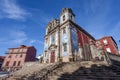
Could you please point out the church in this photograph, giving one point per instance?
(66, 41)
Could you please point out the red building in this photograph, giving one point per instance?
(109, 44)
(1, 61)
(16, 57)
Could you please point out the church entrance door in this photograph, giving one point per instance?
(52, 57)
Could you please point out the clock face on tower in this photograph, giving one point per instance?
(64, 38)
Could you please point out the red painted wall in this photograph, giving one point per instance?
(111, 44)
(80, 37)
(83, 40)
(31, 54)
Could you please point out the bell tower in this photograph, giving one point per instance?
(67, 14)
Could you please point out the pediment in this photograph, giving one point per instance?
(52, 47)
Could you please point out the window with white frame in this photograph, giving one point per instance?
(108, 49)
(105, 42)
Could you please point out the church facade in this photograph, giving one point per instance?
(67, 41)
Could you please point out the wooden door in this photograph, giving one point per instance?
(52, 57)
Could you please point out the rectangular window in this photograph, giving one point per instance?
(19, 63)
(71, 17)
(53, 38)
(16, 56)
(20, 55)
(63, 17)
(7, 63)
(64, 30)
(10, 56)
(108, 50)
(105, 42)
(14, 63)
(65, 47)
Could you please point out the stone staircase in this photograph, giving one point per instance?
(86, 70)
(34, 71)
(31, 67)
(95, 72)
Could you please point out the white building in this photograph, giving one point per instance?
(65, 40)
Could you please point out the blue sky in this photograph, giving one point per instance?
(24, 21)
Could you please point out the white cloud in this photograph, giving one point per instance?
(10, 9)
(36, 41)
(32, 41)
(17, 34)
(14, 37)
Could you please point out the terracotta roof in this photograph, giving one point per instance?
(22, 46)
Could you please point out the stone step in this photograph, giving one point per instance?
(57, 73)
(86, 75)
(90, 75)
(74, 79)
(95, 75)
(89, 78)
(79, 72)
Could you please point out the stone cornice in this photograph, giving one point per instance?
(52, 31)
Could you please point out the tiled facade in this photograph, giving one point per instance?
(16, 57)
(109, 44)
(66, 41)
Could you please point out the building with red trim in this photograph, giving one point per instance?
(109, 44)
(66, 41)
(16, 57)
